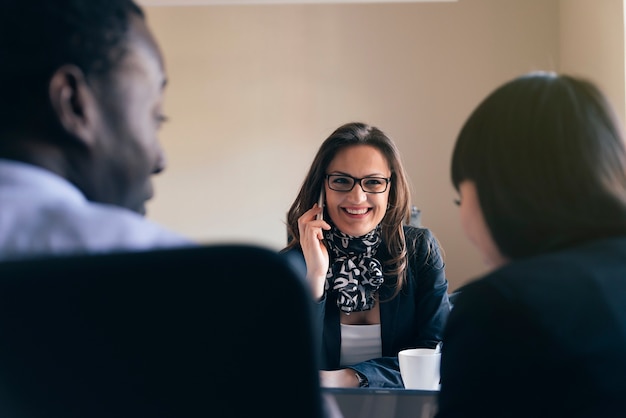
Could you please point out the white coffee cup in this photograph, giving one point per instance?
(419, 368)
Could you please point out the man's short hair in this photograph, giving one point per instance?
(39, 36)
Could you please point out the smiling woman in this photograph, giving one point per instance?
(359, 256)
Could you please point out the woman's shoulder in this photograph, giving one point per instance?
(421, 243)
(291, 248)
(419, 237)
(295, 257)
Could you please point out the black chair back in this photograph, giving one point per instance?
(215, 331)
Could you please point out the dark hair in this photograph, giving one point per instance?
(547, 157)
(39, 36)
(351, 134)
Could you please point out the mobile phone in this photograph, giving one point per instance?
(320, 203)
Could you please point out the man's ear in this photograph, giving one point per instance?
(73, 103)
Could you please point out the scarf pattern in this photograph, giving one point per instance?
(354, 275)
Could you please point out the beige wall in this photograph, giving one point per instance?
(592, 45)
(255, 89)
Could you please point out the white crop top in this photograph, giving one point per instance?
(359, 343)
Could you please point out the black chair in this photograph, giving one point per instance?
(215, 331)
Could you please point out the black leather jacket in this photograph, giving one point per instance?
(414, 318)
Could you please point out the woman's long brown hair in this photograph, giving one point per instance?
(398, 211)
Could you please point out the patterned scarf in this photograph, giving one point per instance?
(354, 272)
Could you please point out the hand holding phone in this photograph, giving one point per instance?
(320, 203)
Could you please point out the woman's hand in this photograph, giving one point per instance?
(315, 253)
(343, 378)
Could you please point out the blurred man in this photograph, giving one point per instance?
(80, 108)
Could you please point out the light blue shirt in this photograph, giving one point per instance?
(43, 214)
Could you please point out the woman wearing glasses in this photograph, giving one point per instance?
(379, 284)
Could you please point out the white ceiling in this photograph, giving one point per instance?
(225, 2)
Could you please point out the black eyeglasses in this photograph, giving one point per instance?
(345, 183)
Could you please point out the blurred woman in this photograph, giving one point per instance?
(540, 167)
